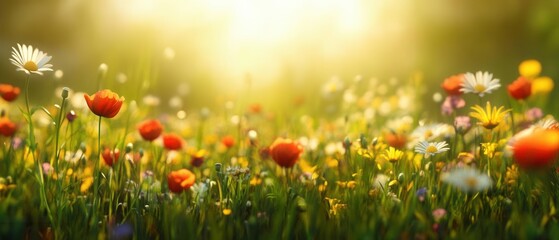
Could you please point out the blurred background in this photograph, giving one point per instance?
(205, 52)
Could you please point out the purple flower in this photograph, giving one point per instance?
(533, 114)
(421, 193)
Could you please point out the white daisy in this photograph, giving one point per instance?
(30, 60)
(431, 148)
(480, 84)
(467, 179)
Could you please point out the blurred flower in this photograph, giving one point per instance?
(380, 181)
(30, 60)
(462, 124)
(334, 206)
(537, 149)
(489, 149)
(489, 118)
(47, 168)
(180, 180)
(437, 97)
(438, 214)
(467, 179)
(511, 176)
(7, 127)
(452, 103)
(430, 132)
(395, 140)
(150, 129)
(334, 85)
(175, 102)
(431, 148)
(200, 190)
(421, 193)
(9, 92)
(228, 141)
(172, 141)
(530, 68)
(197, 157)
(77, 100)
(520, 89)
(104, 103)
(58, 74)
(285, 152)
(393, 154)
(255, 108)
(110, 157)
(122, 231)
(74, 157)
(453, 84)
(479, 84)
(533, 114)
(71, 116)
(121, 78)
(103, 69)
(334, 148)
(542, 85)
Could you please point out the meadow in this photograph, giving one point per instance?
(369, 164)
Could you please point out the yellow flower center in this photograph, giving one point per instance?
(30, 66)
(431, 149)
(471, 182)
(428, 134)
(480, 88)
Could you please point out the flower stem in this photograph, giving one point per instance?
(97, 174)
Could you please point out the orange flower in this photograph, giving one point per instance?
(9, 92)
(255, 108)
(520, 89)
(110, 157)
(150, 129)
(172, 141)
(180, 180)
(285, 152)
(104, 103)
(7, 127)
(197, 157)
(452, 84)
(539, 149)
(228, 141)
(395, 140)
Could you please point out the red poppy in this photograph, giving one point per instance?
(150, 129)
(539, 149)
(180, 180)
(104, 103)
(172, 141)
(110, 157)
(285, 152)
(7, 127)
(9, 92)
(520, 89)
(453, 84)
(395, 140)
(228, 141)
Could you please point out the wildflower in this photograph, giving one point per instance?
(150, 129)
(104, 103)
(431, 148)
(393, 154)
(180, 180)
(538, 149)
(421, 193)
(467, 179)
(542, 85)
(71, 116)
(172, 141)
(7, 127)
(47, 169)
(520, 89)
(227, 211)
(110, 156)
(197, 157)
(489, 149)
(438, 214)
(530, 68)
(9, 92)
(511, 176)
(151, 101)
(228, 141)
(334, 206)
(533, 114)
(480, 83)
(285, 152)
(452, 85)
(452, 103)
(380, 181)
(30, 60)
(430, 132)
(255, 108)
(462, 124)
(490, 118)
(74, 157)
(395, 140)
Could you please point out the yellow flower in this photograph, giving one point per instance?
(511, 176)
(226, 211)
(393, 154)
(490, 117)
(489, 149)
(530, 68)
(542, 85)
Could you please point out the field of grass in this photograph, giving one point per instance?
(371, 165)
